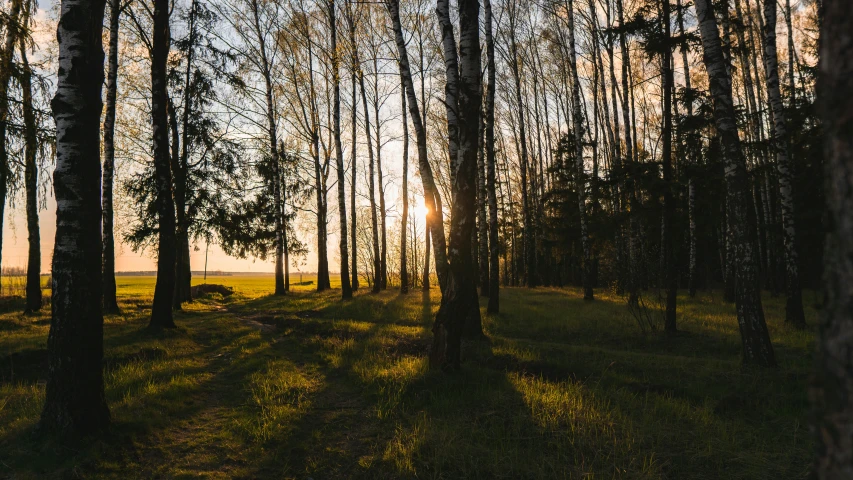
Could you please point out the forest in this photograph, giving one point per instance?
(568, 238)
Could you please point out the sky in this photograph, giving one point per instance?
(15, 245)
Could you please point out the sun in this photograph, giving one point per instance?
(421, 211)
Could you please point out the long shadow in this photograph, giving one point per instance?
(355, 423)
(562, 317)
(561, 412)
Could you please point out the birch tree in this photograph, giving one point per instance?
(794, 299)
(108, 238)
(460, 310)
(494, 251)
(578, 131)
(74, 395)
(346, 286)
(755, 339)
(432, 199)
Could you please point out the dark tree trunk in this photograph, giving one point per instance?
(320, 173)
(179, 193)
(371, 183)
(109, 266)
(6, 69)
(692, 160)
(527, 244)
(432, 200)
(633, 264)
(670, 277)
(266, 71)
(354, 157)
(346, 286)
(757, 348)
(577, 127)
(491, 177)
(404, 273)
(425, 282)
(382, 277)
(459, 307)
(183, 280)
(74, 396)
(33, 303)
(832, 386)
(164, 290)
(284, 242)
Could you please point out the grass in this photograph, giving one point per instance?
(256, 386)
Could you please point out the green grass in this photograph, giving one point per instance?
(256, 386)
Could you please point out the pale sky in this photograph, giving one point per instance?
(14, 248)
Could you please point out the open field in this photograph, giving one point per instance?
(255, 386)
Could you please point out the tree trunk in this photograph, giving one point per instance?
(404, 273)
(164, 290)
(670, 276)
(491, 177)
(346, 286)
(432, 199)
(179, 193)
(425, 280)
(183, 283)
(6, 69)
(794, 298)
(74, 397)
(354, 157)
(382, 277)
(757, 348)
(109, 266)
(529, 252)
(481, 236)
(451, 85)
(791, 53)
(577, 127)
(459, 298)
(33, 289)
(273, 149)
(832, 386)
(320, 175)
(374, 221)
(284, 242)
(632, 280)
(693, 160)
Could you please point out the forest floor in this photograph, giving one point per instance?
(307, 386)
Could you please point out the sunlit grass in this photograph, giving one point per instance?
(257, 386)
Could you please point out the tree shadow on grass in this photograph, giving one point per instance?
(358, 402)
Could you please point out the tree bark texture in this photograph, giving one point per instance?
(832, 386)
(459, 308)
(577, 127)
(794, 314)
(109, 265)
(755, 339)
(33, 289)
(6, 70)
(491, 177)
(432, 199)
(74, 396)
(164, 290)
(346, 286)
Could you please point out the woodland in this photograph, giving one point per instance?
(506, 238)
